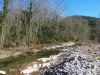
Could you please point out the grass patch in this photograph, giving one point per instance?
(7, 63)
(98, 58)
(89, 59)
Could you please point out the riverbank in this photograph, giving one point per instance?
(69, 54)
(77, 60)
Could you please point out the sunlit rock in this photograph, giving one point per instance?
(29, 70)
(70, 44)
(45, 59)
(2, 72)
(35, 66)
(46, 64)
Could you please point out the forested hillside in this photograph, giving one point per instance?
(38, 22)
(85, 27)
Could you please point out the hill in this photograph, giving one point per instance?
(91, 22)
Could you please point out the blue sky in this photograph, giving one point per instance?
(79, 7)
(82, 7)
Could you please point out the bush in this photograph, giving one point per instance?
(45, 33)
(89, 59)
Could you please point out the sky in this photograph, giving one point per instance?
(83, 7)
(1, 5)
(79, 7)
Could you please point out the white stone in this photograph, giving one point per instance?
(29, 70)
(45, 59)
(63, 45)
(65, 49)
(48, 48)
(55, 57)
(39, 59)
(35, 66)
(70, 44)
(58, 46)
(40, 65)
(54, 47)
(29, 67)
(46, 64)
(2, 72)
(26, 74)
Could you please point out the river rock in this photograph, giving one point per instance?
(2, 72)
(72, 65)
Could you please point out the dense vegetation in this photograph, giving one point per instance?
(40, 22)
(90, 26)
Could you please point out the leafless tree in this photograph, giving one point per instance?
(76, 28)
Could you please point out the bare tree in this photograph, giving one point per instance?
(26, 17)
(76, 28)
(4, 25)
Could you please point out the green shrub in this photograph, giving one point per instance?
(98, 58)
(89, 59)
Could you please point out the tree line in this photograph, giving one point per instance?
(27, 22)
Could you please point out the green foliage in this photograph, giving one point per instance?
(89, 59)
(92, 21)
(93, 33)
(98, 58)
(5, 9)
(76, 39)
(45, 33)
(1, 16)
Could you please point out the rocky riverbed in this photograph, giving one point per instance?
(77, 60)
(73, 64)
